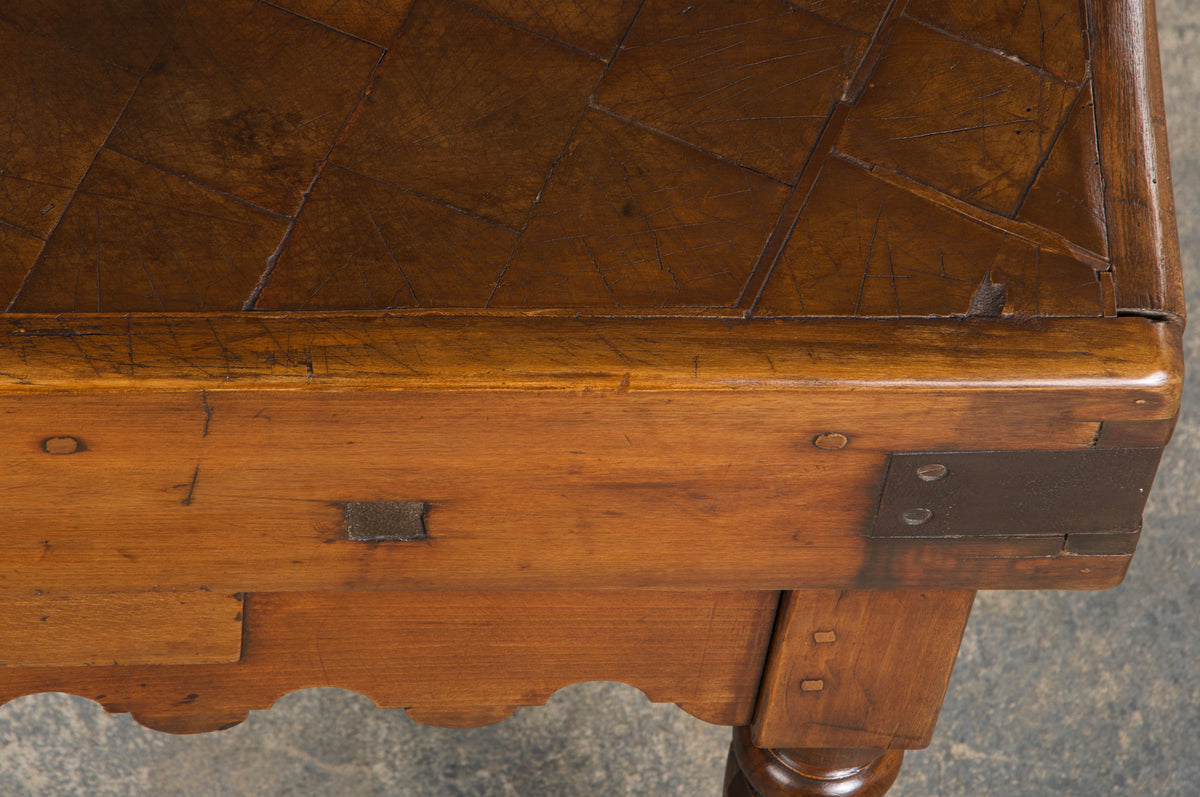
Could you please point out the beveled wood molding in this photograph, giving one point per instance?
(445, 351)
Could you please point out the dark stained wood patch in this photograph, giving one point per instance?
(633, 219)
(248, 108)
(363, 244)
(1045, 33)
(57, 106)
(964, 121)
(469, 111)
(1068, 194)
(753, 81)
(860, 15)
(128, 33)
(592, 25)
(136, 239)
(376, 21)
(863, 247)
(18, 252)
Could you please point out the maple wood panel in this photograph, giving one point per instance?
(703, 651)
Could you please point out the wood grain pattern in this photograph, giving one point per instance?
(58, 106)
(634, 220)
(703, 651)
(257, 477)
(882, 678)
(1105, 364)
(752, 81)
(360, 243)
(247, 109)
(595, 26)
(1043, 33)
(1138, 199)
(124, 33)
(862, 247)
(1067, 195)
(18, 251)
(863, 16)
(376, 21)
(136, 238)
(120, 629)
(652, 202)
(469, 112)
(975, 125)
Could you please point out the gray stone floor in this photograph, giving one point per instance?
(1055, 694)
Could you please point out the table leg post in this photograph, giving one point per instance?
(815, 772)
(853, 678)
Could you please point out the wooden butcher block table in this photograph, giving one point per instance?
(454, 352)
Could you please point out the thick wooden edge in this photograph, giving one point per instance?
(252, 351)
(1138, 199)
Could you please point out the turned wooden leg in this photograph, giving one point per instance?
(758, 772)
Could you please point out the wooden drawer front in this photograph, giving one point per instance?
(244, 491)
(120, 629)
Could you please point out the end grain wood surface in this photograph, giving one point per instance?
(870, 159)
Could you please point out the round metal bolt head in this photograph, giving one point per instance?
(917, 517)
(932, 472)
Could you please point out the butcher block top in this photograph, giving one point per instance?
(603, 293)
(854, 159)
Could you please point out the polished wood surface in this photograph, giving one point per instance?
(561, 480)
(618, 296)
(863, 159)
(818, 772)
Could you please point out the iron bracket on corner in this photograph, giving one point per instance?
(1015, 493)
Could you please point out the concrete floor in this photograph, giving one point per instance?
(1055, 694)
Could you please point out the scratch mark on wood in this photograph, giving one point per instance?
(187, 501)
(207, 411)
